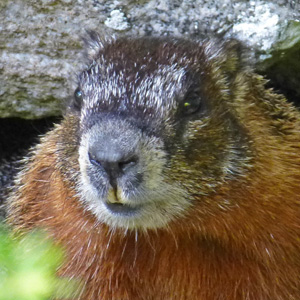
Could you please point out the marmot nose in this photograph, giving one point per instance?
(115, 164)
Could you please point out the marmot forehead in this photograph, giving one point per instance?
(149, 51)
(147, 75)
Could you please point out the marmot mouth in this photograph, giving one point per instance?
(122, 209)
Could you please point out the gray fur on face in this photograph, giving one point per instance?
(104, 89)
(153, 202)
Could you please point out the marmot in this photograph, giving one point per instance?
(175, 175)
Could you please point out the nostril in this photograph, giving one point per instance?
(94, 160)
(128, 163)
(120, 165)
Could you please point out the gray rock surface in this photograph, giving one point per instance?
(41, 39)
(282, 62)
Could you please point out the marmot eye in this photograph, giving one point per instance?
(192, 104)
(78, 98)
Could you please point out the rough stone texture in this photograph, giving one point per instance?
(282, 64)
(41, 39)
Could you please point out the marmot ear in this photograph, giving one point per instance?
(232, 51)
(95, 42)
(227, 55)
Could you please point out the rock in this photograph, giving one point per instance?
(281, 62)
(41, 39)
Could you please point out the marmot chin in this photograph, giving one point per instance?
(175, 175)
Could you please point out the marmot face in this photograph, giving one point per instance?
(153, 116)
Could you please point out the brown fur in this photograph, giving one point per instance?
(247, 249)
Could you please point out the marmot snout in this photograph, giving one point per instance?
(174, 175)
(121, 178)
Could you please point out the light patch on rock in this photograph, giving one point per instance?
(117, 20)
(259, 27)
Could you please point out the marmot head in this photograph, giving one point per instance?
(156, 130)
